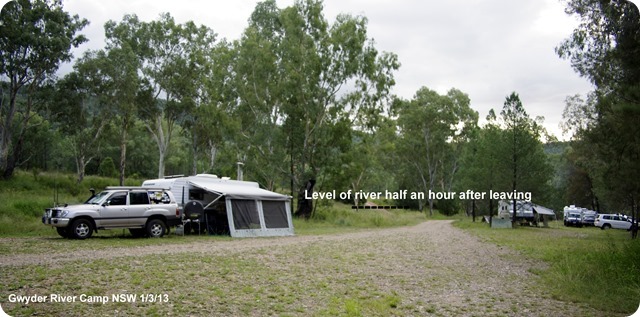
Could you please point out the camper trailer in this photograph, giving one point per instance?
(223, 206)
(527, 213)
(578, 216)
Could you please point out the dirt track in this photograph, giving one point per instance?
(435, 268)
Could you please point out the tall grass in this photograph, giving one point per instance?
(586, 265)
(332, 217)
(607, 276)
(24, 197)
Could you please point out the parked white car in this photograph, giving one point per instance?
(145, 211)
(608, 221)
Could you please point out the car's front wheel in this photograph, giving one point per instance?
(156, 228)
(81, 229)
(606, 226)
(62, 232)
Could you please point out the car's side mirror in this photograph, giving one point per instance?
(106, 203)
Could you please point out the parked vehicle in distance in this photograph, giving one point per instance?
(588, 220)
(608, 221)
(144, 211)
(578, 216)
(573, 219)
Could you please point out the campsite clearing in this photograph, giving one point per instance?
(431, 269)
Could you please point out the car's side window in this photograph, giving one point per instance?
(138, 198)
(159, 197)
(118, 199)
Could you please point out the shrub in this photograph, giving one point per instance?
(341, 215)
(447, 207)
(107, 168)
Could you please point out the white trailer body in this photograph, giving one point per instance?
(249, 210)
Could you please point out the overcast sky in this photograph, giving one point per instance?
(485, 48)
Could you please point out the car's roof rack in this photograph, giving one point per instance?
(173, 176)
(136, 188)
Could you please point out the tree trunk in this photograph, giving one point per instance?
(80, 164)
(4, 150)
(10, 166)
(123, 152)
(513, 219)
(9, 159)
(490, 212)
(6, 134)
(213, 152)
(515, 175)
(194, 151)
(634, 219)
(161, 165)
(12, 158)
(162, 141)
(305, 206)
(473, 210)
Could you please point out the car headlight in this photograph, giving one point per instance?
(63, 213)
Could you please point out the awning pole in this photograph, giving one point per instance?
(211, 203)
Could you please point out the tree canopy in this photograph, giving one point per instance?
(305, 101)
(604, 49)
(36, 37)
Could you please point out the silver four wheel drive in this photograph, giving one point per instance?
(608, 221)
(144, 211)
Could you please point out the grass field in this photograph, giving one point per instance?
(24, 197)
(586, 265)
(277, 282)
(331, 274)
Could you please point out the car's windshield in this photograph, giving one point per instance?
(97, 198)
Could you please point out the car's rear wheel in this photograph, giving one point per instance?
(138, 233)
(81, 229)
(156, 228)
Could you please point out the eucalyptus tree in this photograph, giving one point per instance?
(171, 58)
(203, 86)
(604, 49)
(35, 37)
(76, 109)
(461, 133)
(259, 82)
(584, 186)
(433, 128)
(208, 122)
(111, 78)
(301, 77)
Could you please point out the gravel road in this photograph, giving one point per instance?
(436, 269)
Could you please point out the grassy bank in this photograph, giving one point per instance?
(334, 217)
(586, 265)
(24, 197)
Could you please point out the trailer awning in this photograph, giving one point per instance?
(238, 190)
(543, 210)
